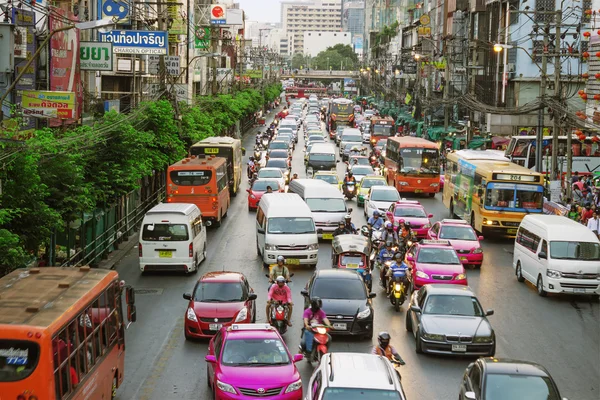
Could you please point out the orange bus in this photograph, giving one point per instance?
(201, 180)
(62, 333)
(413, 165)
(381, 128)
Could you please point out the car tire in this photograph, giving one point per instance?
(418, 346)
(492, 352)
(257, 250)
(369, 336)
(519, 272)
(218, 223)
(249, 208)
(208, 378)
(408, 322)
(431, 194)
(254, 316)
(188, 337)
(540, 286)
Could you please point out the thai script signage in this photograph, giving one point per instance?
(218, 14)
(43, 104)
(136, 42)
(172, 66)
(96, 56)
(24, 21)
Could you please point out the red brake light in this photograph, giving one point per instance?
(33, 397)
(191, 250)
(140, 249)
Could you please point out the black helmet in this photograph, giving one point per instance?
(407, 224)
(384, 339)
(315, 304)
(389, 243)
(349, 173)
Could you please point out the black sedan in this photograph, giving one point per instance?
(448, 319)
(345, 301)
(502, 379)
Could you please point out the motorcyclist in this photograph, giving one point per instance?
(389, 233)
(295, 176)
(280, 292)
(396, 265)
(280, 269)
(386, 254)
(312, 315)
(251, 166)
(406, 234)
(386, 349)
(349, 225)
(341, 229)
(375, 221)
(348, 178)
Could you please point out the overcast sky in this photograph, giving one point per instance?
(261, 10)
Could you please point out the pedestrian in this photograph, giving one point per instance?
(573, 214)
(575, 177)
(587, 214)
(593, 223)
(588, 196)
(577, 194)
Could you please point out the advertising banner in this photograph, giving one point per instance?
(172, 65)
(96, 56)
(25, 40)
(43, 104)
(136, 42)
(111, 8)
(64, 64)
(179, 26)
(218, 14)
(202, 39)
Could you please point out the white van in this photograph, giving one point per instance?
(285, 227)
(557, 255)
(326, 203)
(172, 238)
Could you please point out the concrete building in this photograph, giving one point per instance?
(254, 30)
(298, 17)
(316, 42)
(353, 21)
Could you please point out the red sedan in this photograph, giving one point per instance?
(258, 189)
(219, 299)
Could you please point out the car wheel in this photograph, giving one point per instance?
(418, 345)
(492, 352)
(369, 336)
(218, 223)
(249, 208)
(208, 378)
(257, 249)
(187, 336)
(431, 194)
(540, 286)
(254, 315)
(408, 323)
(519, 272)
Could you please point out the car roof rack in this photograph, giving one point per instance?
(406, 201)
(454, 221)
(250, 327)
(435, 242)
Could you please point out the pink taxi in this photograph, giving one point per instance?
(410, 211)
(434, 261)
(246, 361)
(462, 238)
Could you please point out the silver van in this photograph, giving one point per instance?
(321, 157)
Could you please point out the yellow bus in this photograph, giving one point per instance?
(491, 193)
(228, 148)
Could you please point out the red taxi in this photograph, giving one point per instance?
(410, 211)
(462, 237)
(434, 261)
(259, 187)
(219, 299)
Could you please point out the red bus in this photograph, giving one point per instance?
(413, 165)
(298, 92)
(201, 180)
(381, 128)
(62, 333)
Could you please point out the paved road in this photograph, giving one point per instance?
(561, 333)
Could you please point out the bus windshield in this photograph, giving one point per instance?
(417, 161)
(343, 109)
(383, 130)
(191, 178)
(503, 196)
(18, 359)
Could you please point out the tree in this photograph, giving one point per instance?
(12, 253)
(300, 60)
(335, 58)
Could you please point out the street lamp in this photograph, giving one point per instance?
(417, 56)
(81, 25)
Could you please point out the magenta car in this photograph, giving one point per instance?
(410, 211)
(246, 361)
(434, 261)
(462, 238)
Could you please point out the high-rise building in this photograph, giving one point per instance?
(298, 17)
(353, 17)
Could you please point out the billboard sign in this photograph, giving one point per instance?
(136, 42)
(357, 41)
(64, 63)
(172, 65)
(202, 39)
(111, 9)
(43, 104)
(24, 21)
(348, 83)
(218, 14)
(96, 56)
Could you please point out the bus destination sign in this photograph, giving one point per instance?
(516, 177)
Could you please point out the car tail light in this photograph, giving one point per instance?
(191, 250)
(140, 249)
(33, 397)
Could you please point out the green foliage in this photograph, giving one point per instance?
(300, 60)
(335, 58)
(12, 254)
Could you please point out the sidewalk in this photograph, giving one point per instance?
(124, 248)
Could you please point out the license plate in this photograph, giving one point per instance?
(418, 190)
(353, 266)
(397, 295)
(215, 327)
(328, 236)
(341, 327)
(292, 261)
(463, 259)
(165, 254)
(512, 231)
(462, 348)
(211, 151)
(579, 290)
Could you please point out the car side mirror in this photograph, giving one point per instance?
(249, 190)
(479, 237)
(210, 359)
(298, 357)
(304, 293)
(416, 309)
(252, 296)
(260, 230)
(489, 312)
(430, 216)
(187, 296)
(470, 395)
(372, 295)
(542, 254)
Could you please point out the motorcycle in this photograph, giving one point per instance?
(320, 345)
(279, 311)
(398, 288)
(367, 277)
(252, 179)
(265, 142)
(350, 190)
(396, 363)
(257, 154)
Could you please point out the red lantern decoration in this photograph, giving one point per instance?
(587, 34)
(585, 75)
(582, 116)
(577, 132)
(586, 54)
(581, 91)
(582, 137)
(588, 12)
(597, 97)
(597, 76)
(584, 96)
(598, 32)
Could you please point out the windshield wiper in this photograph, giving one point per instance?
(264, 364)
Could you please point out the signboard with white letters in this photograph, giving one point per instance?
(172, 65)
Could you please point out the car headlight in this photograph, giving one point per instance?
(191, 315)
(294, 386)
(364, 314)
(422, 275)
(225, 387)
(314, 246)
(242, 315)
(478, 251)
(434, 184)
(482, 339)
(431, 336)
(402, 183)
(426, 226)
(460, 277)
(397, 287)
(486, 221)
(553, 274)
(270, 247)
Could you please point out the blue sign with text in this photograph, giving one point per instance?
(136, 42)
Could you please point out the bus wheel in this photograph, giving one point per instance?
(233, 193)
(217, 222)
(225, 215)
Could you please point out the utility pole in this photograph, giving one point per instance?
(446, 83)
(161, 62)
(214, 44)
(557, 93)
(539, 137)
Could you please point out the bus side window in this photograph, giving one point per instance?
(112, 320)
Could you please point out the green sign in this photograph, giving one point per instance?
(253, 73)
(202, 39)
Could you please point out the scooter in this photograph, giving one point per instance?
(320, 345)
(279, 312)
(396, 363)
(349, 190)
(398, 288)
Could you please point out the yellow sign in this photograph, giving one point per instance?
(45, 104)
(424, 20)
(424, 31)
(211, 151)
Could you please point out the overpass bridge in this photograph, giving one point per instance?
(319, 74)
